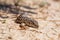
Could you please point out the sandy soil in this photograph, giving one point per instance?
(48, 18)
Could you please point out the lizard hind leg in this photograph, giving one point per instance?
(22, 26)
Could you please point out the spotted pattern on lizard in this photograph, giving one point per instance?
(27, 21)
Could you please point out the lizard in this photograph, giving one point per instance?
(25, 21)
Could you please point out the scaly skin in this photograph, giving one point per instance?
(27, 21)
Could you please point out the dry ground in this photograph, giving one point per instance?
(48, 18)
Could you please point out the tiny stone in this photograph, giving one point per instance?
(9, 38)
